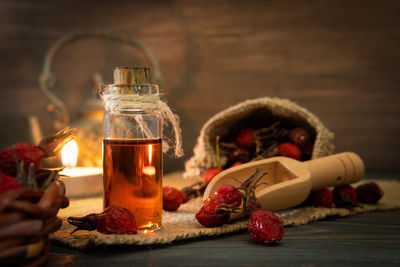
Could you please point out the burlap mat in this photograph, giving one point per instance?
(183, 225)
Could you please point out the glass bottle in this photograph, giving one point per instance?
(132, 147)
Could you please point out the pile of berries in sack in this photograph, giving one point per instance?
(257, 129)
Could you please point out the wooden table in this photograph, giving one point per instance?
(368, 239)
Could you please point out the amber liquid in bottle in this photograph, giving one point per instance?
(133, 179)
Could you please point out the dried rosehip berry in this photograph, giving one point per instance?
(239, 155)
(229, 195)
(8, 183)
(345, 196)
(299, 136)
(290, 150)
(113, 220)
(172, 198)
(245, 138)
(236, 164)
(369, 193)
(216, 209)
(116, 220)
(322, 198)
(210, 174)
(210, 214)
(265, 227)
(26, 152)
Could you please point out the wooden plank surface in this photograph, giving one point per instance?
(339, 59)
(369, 239)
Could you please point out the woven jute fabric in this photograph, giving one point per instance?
(183, 225)
(204, 156)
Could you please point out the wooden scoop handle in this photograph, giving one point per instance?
(339, 169)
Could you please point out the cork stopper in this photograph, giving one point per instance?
(131, 75)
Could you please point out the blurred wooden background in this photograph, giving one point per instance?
(339, 59)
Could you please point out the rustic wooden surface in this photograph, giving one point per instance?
(339, 59)
(367, 239)
(370, 239)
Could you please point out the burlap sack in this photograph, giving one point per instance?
(264, 109)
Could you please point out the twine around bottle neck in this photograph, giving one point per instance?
(131, 101)
(114, 99)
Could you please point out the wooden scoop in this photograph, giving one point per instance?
(289, 182)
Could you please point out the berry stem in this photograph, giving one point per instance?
(273, 131)
(88, 222)
(32, 183)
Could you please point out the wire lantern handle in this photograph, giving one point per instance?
(47, 79)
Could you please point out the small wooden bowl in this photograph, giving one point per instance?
(27, 217)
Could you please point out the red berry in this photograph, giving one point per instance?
(216, 209)
(210, 174)
(8, 183)
(265, 227)
(113, 220)
(290, 150)
(299, 136)
(208, 215)
(240, 155)
(345, 196)
(322, 198)
(172, 198)
(236, 164)
(347, 190)
(116, 220)
(26, 152)
(369, 193)
(229, 195)
(245, 138)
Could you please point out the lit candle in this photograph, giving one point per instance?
(149, 169)
(79, 181)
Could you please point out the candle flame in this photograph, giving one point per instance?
(150, 152)
(149, 170)
(69, 154)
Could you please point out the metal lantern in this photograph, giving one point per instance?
(89, 125)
